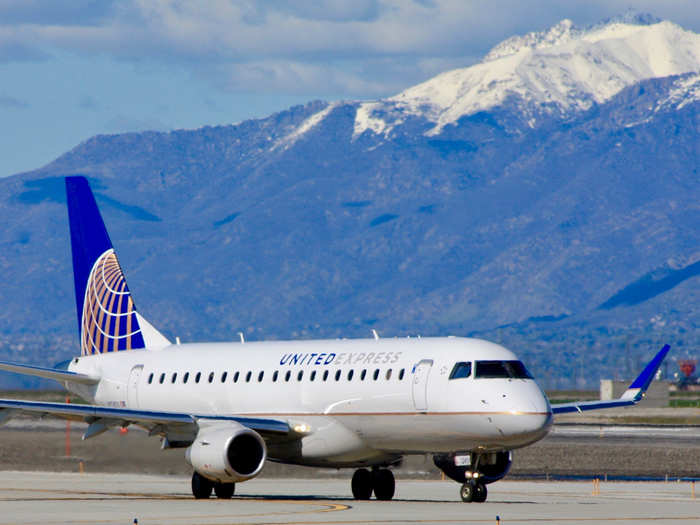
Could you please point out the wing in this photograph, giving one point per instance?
(102, 418)
(634, 393)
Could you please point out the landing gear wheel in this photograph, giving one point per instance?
(224, 490)
(201, 486)
(384, 484)
(362, 484)
(480, 493)
(467, 492)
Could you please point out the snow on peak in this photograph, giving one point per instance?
(558, 34)
(685, 90)
(289, 139)
(563, 69)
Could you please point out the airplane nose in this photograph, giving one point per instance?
(542, 413)
(535, 418)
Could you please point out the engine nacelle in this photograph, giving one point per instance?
(228, 453)
(485, 467)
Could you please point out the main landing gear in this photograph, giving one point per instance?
(202, 487)
(473, 491)
(380, 481)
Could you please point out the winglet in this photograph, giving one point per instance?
(634, 393)
(640, 385)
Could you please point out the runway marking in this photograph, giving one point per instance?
(197, 519)
(93, 496)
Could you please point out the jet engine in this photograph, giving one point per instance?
(485, 467)
(227, 454)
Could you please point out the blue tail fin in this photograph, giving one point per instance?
(107, 318)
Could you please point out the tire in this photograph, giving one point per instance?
(384, 484)
(467, 492)
(362, 484)
(201, 486)
(480, 493)
(224, 490)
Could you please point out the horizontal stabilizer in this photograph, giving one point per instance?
(145, 418)
(49, 373)
(634, 393)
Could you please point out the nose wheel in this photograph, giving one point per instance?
(380, 481)
(473, 492)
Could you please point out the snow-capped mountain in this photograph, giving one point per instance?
(442, 210)
(558, 71)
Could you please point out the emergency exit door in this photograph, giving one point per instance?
(132, 393)
(420, 384)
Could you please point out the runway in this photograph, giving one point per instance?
(52, 498)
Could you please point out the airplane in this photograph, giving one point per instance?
(348, 403)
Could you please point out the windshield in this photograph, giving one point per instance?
(504, 369)
(461, 370)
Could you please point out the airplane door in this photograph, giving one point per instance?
(132, 386)
(420, 384)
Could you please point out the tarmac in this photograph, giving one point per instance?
(55, 498)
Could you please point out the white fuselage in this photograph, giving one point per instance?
(351, 401)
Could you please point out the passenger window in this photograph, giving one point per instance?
(287, 375)
(325, 375)
(401, 373)
(248, 376)
(337, 375)
(185, 377)
(350, 374)
(174, 378)
(260, 376)
(461, 370)
(388, 374)
(235, 377)
(224, 376)
(274, 376)
(211, 376)
(198, 377)
(300, 375)
(363, 374)
(162, 378)
(150, 378)
(376, 374)
(313, 375)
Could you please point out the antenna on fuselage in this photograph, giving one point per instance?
(240, 334)
(375, 334)
(177, 340)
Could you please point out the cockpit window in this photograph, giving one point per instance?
(503, 369)
(461, 370)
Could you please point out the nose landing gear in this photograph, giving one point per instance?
(380, 481)
(473, 491)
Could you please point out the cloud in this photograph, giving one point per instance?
(9, 102)
(16, 47)
(50, 12)
(359, 48)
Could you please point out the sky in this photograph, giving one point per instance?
(73, 69)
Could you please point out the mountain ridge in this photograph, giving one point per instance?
(297, 226)
(553, 72)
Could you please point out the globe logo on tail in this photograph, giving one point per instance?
(109, 321)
